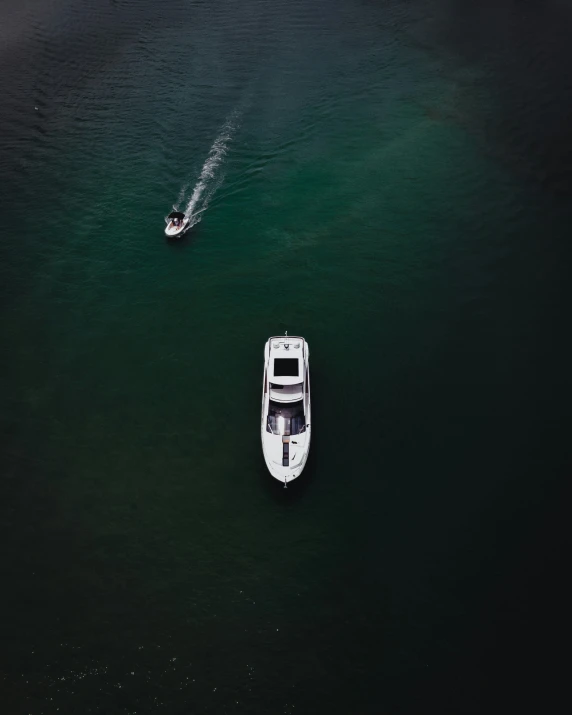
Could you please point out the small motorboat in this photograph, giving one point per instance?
(177, 223)
(285, 421)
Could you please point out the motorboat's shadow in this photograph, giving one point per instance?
(180, 243)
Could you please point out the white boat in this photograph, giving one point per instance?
(285, 423)
(177, 224)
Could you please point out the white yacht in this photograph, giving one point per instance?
(285, 425)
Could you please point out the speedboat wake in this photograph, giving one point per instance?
(209, 180)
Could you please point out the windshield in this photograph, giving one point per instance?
(286, 419)
(286, 367)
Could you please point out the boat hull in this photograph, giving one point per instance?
(286, 453)
(175, 232)
(285, 475)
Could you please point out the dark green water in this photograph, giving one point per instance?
(390, 180)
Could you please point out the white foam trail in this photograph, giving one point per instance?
(210, 177)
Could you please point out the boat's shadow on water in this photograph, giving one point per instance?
(181, 243)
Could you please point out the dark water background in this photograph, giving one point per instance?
(393, 181)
